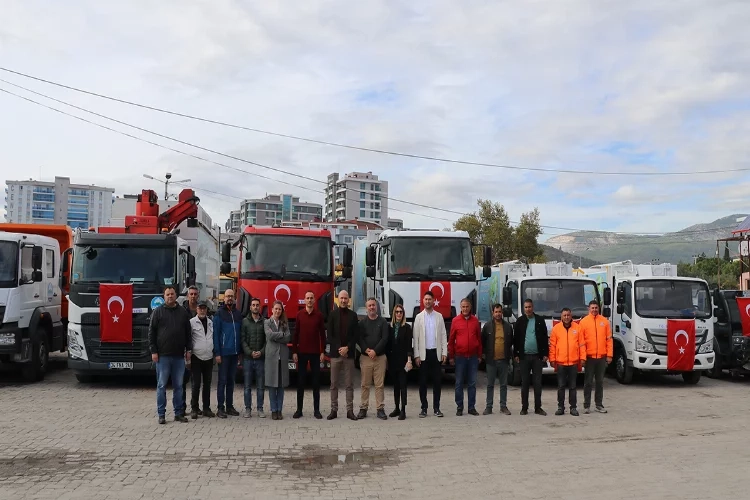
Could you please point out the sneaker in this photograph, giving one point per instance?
(402, 414)
(574, 412)
(586, 410)
(559, 412)
(231, 411)
(261, 414)
(438, 413)
(318, 415)
(541, 412)
(601, 409)
(473, 411)
(362, 414)
(194, 415)
(297, 414)
(162, 420)
(247, 413)
(180, 418)
(459, 412)
(524, 411)
(395, 413)
(208, 413)
(221, 413)
(332, 415)
(382, 415)
(423, 414)
(487, 411)
(199, 412)
(350, 415)
(505, 411)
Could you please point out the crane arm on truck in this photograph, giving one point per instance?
(186, 208)
(147, 219)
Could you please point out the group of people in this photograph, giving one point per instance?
(185, 343)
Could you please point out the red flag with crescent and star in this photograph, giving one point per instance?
(442, 292)
(116, 312)
(743, 304)
(680, 344)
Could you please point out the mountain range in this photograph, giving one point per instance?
(679, 246)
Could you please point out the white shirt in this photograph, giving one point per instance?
(430, 338)
(203, 340)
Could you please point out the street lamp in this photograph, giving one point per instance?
(168, 177)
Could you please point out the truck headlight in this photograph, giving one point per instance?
(643, 346)
(7, 338)
(737, 340)
(75, 350)
(706, 347)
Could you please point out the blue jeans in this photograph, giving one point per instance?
(276, 395)
(225, 389)
(466, 370)
(254, 369)
(169, 367)
(497, 370)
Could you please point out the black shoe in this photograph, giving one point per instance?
(350, 415)
(541, 412)
(162, 420)
(504, 410)
(180, 418)
(382, 415)
(331, 415)
(423, 414)
(438, 413)
(221, 413)
(574, 412)
(297, 414)
(487, 411)
(395, 413)
(524, 411)
(318, 415)
(199, 412)
(362, 414)
(473, 411)
(279, 415)
(274, 415)
(402, 414)
(459, 412)
(208, 413)
(231, 411)
(559, 411)
(194, 415)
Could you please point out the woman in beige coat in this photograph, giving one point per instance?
(277, 358)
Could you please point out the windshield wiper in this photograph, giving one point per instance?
(266, 274)
(419, 276)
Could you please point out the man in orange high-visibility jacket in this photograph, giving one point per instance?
(597, 335)
(566, 354)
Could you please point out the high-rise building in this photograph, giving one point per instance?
(395, 224)
(234, 223)
(358, 195)
(58, 202)
(277, 208)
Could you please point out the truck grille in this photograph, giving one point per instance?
(98, 352)
(140, 319)
(658, 337)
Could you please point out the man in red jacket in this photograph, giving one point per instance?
(464, 351)
(308, 346)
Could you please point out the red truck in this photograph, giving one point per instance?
(284, 263)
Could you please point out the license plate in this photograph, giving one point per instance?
(140, 310)
(292, 365)
(120, 365)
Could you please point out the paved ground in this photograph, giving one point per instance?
(661, 440)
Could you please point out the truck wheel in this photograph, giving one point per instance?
(84, 378)
(717, 370)
(35, 369)
(623, 372)
(691, 378)
(514, 377)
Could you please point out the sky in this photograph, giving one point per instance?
(594, 85)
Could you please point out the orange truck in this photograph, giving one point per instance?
(33, 303)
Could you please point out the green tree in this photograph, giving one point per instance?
(714, 270)
(490, 225)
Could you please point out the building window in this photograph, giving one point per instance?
(361, 195)
(376, 216)
(348, 240)
(361, 204)
(362, 213)
(377, 187)
(50, 264)
(361, 185)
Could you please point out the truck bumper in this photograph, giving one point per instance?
(13, 347)
(658, 362)
(85, 367)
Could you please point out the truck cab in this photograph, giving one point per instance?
(731, 347)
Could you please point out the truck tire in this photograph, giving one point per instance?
(623, 372)
(717, 370)
(514, 377)
(691, 378)
(34, 370)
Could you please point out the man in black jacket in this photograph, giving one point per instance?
(170, 340)
(530, 350)
(341, 333)
(372, 339)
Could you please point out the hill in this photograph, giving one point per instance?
(555, 254)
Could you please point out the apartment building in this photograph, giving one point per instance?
(356, 195)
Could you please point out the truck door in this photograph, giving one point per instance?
(31, 292)
(53, 295)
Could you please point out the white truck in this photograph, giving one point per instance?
(33, 309)
(647, 295)
(551, 286)
(403, 264)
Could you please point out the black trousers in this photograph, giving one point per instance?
(185, 383)
(431, 368)
(566, 379)
(531, 372)
(202, 372)
(399, 384)
(302, 371)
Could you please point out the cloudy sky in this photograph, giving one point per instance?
(593, 85)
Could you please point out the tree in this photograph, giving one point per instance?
(711, 269)
(490, 225)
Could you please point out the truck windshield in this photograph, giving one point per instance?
(551, 295)
(224, 284)
(672, 299)
(278, 256)
(124, 264)
(8, 264)
(449, 259)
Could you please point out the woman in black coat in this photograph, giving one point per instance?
(399, 354)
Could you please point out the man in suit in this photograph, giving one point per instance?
(531, 351)
(430, 351)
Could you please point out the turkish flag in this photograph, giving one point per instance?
(442, 292)
(743, 304)
(680, 344)
(116, 312)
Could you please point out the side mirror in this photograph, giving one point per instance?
(370, 257)
(720, 315)
(36, 258)
(620, 308)
(225, 268)
(486, 271)
(348, 257)
(346, 273)
(248, 255)
(370, 271)
(607, 312)
(620, 294)
(486, 257)
(36, 276)
(507, 312)
(64, 262)
(226, 250)
(507, 296)
(607, 296)
(191, 269)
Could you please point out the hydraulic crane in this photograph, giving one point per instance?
(147, 219)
